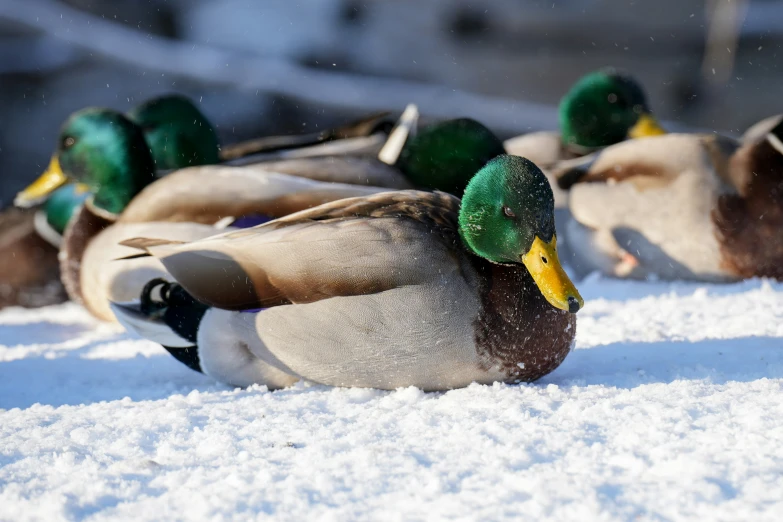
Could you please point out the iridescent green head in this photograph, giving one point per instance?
(446, 155)
(103, 152)
(62, 205)
(604, 108)
(178, 134)
(507, 216)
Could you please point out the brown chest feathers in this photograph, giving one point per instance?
(749, 225)
(84, 226)
(29, 272)
(517, 329)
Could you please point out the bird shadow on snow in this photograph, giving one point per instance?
(632, 364)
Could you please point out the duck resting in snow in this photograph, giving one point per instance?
(402, 288)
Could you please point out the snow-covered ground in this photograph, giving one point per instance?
(670, 408)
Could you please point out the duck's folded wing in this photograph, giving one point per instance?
(342, 169)
(648, 162)
(209, 193)
(351, 247)
(364, 127)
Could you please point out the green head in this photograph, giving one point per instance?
(507, 216)
(101, 151)
(178, 134)
(62, 205)
(446, 155)
(604, 108)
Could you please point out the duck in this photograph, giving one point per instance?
(31, 237)
(178, 135)
(184, 205)
(602, 108)
(107, 156)
(394, 289)
(700, 207)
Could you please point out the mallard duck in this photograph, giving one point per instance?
(403, 288)
(178, 135)
(681, 206)
(105, 152)
(601, 109)
(31, 238)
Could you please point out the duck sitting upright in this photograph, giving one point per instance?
(681, 206)
(395, 289)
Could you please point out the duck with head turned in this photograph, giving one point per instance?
(404, 288)
(681, 206)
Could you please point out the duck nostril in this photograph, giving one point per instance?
(573, 304)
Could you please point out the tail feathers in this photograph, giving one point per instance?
(406, 127)
(171, 320)
(144, 243)
(187, 356)
(154, 329)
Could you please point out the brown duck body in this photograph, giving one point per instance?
(680, 206)
(376, 291)
(29, 269)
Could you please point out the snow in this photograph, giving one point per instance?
(669, 408)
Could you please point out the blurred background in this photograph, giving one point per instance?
(282, 66)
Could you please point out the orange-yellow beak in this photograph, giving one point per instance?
(543, 264)
(52, 179)
(645, 126)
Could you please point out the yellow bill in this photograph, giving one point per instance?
(52, 179)
(646, 125)
(542, 263)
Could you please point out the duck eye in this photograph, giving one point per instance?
(612, 98)
(68, 142)
(637, 109)
(508, 212)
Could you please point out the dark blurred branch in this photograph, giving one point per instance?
(209, 64)
(26, 54)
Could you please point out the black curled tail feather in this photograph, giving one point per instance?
(180, 312)
(187, 356)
